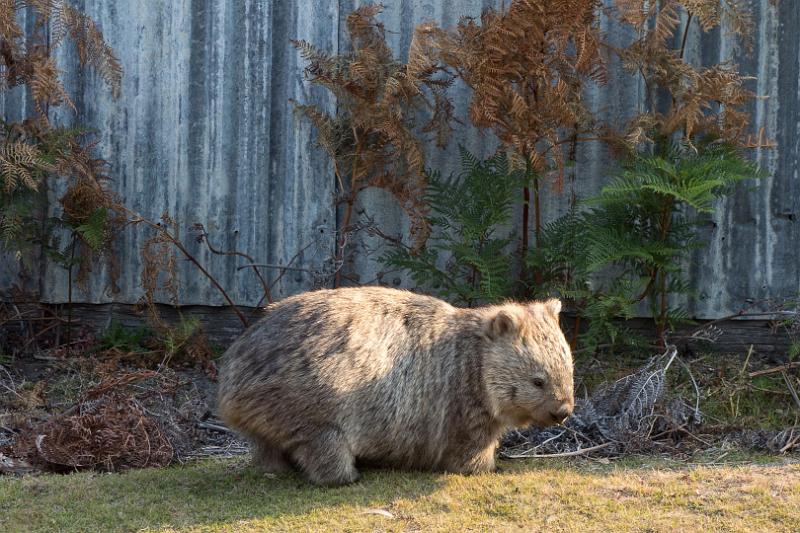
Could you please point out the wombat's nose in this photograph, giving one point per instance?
(562, 414)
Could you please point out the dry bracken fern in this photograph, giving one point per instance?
(372, 139)
(34, 150)
(527, 66)
(21, 165)
(707, 102)
(32, 63)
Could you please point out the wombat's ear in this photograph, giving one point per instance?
(553, 306)
(501, 324)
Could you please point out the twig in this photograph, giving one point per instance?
(791, 387)
(683, 429)
(542, 444)
(136, 219)
(582, 451)
(696, 387)
(551, 439)
(10, 387)
(374, 230)
(40, 333)
(741, 314)
(284, 269)
(40, 357)
(279, 267)
(215, 427)
(39, 308)
(792, 442)
(672, 353)
(30, 325)
(781, 368)
(746, 361)
(203, 234)
(686, 34)
(721, 456)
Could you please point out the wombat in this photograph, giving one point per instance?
(375, 376)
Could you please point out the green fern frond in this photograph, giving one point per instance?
(468, 211)
(10, 226)
(629, 243)
(93, 231)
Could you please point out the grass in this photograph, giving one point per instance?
(581, 495)
(763, 403)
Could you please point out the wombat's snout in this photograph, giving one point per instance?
(560, 416)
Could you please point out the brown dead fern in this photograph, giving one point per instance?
(705, 102)
(160, 265)
(372, 138)
(527, 65)
(34, 152)
(111, 433)
(31, 62)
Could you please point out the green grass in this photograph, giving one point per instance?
(762, 402)
(581, 495)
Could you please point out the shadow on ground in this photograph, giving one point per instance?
(211, 493)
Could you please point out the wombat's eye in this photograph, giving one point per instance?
(538, 382)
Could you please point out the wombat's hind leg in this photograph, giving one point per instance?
(269, 459)
(326, 458)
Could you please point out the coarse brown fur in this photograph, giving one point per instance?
(386, 377)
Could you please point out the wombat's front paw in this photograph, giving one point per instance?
(480, 463)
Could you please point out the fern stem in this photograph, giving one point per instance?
(348, 213)
(537, 213)
(69, 290)
(662, 326)
(537, 226)
(526, 197)
(576, 329)
(267, 295)
(662, 289)
(686, 34)
(683, 47)
(211, 278)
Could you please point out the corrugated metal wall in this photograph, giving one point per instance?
(204, 130)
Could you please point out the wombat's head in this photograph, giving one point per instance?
(528, 364)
